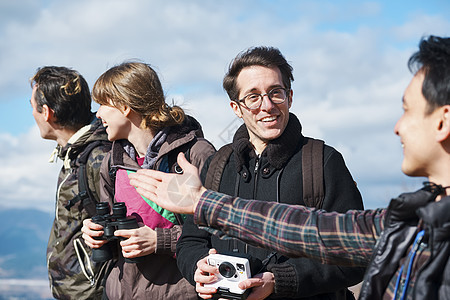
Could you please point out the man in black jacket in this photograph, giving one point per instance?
(266, 164)
(406, 246)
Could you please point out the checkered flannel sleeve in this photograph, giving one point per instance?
(296, 231)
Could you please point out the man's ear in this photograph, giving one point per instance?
(291, 93)
(443, 130)
(236, 108)
(48, 113)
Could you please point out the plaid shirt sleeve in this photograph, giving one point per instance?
(332, 238)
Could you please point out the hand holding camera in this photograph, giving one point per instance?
(232, 270)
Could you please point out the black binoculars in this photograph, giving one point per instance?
(112, 222)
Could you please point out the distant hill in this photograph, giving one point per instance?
(24, 234)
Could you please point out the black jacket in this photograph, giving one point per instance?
(277, 176)
(406, 216)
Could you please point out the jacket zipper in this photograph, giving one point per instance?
(256, 176)
(57, 194)
(85, 265)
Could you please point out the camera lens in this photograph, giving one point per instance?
(227, 270)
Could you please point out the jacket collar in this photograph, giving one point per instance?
(278, 151)
(86, 134)
(178, 136)
(405, 206)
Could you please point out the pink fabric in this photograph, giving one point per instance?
(136, 205)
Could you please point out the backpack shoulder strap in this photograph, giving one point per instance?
(215, 169)
(312, 173)
(84, 192)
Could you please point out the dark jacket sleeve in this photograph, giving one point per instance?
(166, 239)
(311, 277)
(194, 243)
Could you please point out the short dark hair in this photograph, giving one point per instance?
(66, 92)
(269, 57)
(433, 59)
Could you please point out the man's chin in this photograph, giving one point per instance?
(272, 134)
(412, 172)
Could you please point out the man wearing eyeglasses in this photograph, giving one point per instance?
(266, 164)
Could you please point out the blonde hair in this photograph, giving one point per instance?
(137, 86)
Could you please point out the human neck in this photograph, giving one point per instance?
(63, 136)
(140, 139)
(258, 145)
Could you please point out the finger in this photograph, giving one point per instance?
(87, 240)
(249, 283)
(145, 174)
(131, 254)
(147, 183)
(212, 251)
(92, 243)
(91, 225)
(129, 245)
(92, 233)
(205, 296)
(185, 165)
(147, 193)
(204, 291)
(126, 233)
(143, 178)
(205, 268)
(203, 278)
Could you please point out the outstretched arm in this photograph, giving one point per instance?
(350, 243)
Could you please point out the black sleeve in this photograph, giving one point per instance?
(341, 192)
(302, 277)
(193, 245)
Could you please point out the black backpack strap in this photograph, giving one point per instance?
(312, 173)
(84, 192)
(215, 169)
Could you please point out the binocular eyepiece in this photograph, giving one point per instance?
(112, 222)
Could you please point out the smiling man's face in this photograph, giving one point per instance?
(269, 121)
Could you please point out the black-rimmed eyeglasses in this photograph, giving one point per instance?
(254, 100)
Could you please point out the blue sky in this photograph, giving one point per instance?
(349, 60)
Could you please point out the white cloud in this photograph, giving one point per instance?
(422, 25)
(27, 180)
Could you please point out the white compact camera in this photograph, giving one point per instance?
(232, 270)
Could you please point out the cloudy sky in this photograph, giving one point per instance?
(349, 60)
